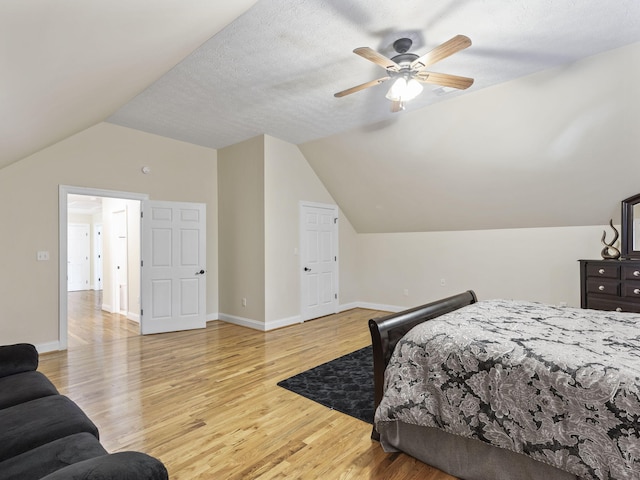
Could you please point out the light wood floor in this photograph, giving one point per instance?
(88, 324)
(206, 402)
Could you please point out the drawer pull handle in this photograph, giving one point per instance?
(601, 271)
(636, 291)
(618, 309)
(601, 287)
(636, 273)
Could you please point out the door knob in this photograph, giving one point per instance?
(307, 269)
(201, 272)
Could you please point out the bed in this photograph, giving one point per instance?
(503, 390)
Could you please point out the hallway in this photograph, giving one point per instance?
(89, 324)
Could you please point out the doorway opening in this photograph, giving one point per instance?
(111, 275)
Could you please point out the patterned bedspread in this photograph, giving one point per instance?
(561, 385)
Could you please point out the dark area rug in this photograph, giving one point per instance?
(344, 384)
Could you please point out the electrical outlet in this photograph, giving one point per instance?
(443, 282)
(244, 302)
(406, 292)
(42, 256)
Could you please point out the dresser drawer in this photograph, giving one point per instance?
(603, 286)
(631, 290)
(630, 272)
(613, 305)
(603, 270)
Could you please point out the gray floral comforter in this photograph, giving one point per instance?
(561, 385)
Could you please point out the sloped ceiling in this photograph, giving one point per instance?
(544, 137)
(556, 148)
(275, 69)
(68, 64)
(517, 149)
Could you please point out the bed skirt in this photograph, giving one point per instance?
(464, 457)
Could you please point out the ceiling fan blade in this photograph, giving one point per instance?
(451, 46)
(377, 58)
(362, 86)
(445, 80)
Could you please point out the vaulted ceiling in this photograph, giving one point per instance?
(545, 136)
(67, 65)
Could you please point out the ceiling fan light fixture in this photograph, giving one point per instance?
(403, 90)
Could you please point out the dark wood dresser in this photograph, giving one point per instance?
(610, 285)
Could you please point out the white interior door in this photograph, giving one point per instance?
(318, 260)
(78, 262)
(173, 294)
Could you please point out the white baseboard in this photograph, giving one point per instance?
(380, 306)
(285, 322)
(348, 306)
(48, 347)
(107, 308)
(134, 317)
(256, 325)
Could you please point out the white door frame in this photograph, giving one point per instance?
(116, 257)
(97, 256)
(334, 208)
(63, 192)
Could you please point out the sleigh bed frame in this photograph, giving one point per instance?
(462, 457)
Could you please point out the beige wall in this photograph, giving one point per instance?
(538, 264)
(288, 180)
(553, 149)
(104, 157)
(261, 184)
(241, 216)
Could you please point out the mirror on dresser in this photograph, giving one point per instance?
(630, 245)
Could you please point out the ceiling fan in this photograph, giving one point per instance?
(407, 70)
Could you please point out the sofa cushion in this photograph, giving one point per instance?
(116, 466)
(18, 358)
(22, 387)
(50, 457)
(31, 424)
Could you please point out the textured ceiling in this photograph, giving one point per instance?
(539, 140)
(275, 69)
(546, 136)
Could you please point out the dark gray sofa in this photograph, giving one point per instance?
(46, 436)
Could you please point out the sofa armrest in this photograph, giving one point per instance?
(115, 466)
(18, 358)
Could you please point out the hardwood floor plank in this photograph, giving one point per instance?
(206, 401)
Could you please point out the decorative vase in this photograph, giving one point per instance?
(609, 252)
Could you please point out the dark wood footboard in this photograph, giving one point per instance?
(387, 331)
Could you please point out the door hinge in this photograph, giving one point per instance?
(141, 214)
(335, 295)
(141, 263)
(141, 312)
(335, 220)
(335, 259)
